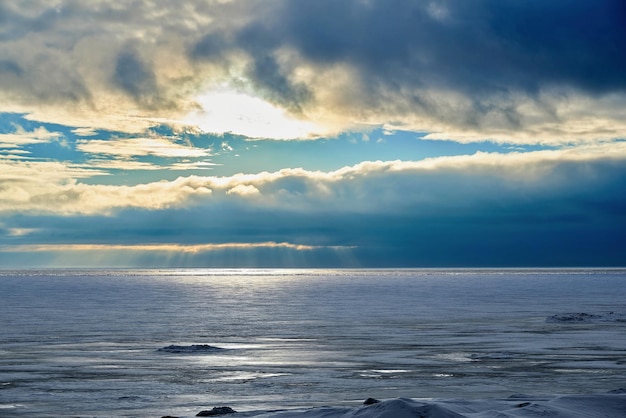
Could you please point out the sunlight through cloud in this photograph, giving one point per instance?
(226, 111)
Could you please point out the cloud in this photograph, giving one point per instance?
(520, 72)
(133, 76)
(128, 86)
(90, 65)
(15, 154)
(549, 207)
(126, 164)
(84, 131)
(50, 187)
(240, 114)
(122, 164)
(244, 190)
(180, 248)
(448, 67)
(520, 46)
(22, 137)
(43, 172)
(129, 147)
(368, 187)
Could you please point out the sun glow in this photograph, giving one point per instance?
(227, 111)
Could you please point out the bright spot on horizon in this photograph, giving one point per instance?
(227, 111)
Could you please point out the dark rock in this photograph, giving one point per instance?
(190, 349)
(583, 317)
(218, 410)
(168, 416)
(572, 317)
(370, 401)
(520, 396)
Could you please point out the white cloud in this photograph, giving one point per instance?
(22, 137)
(130, 147)
(14, 154)
(244, 190)
(122, 164)
(84, 131)
(20, 232)
(192, 165)
(128, 164)
(555, 117)
(45, 187)
(42, 172)
(177, 248)
(49, 187)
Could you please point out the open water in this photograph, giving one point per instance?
(136, 342)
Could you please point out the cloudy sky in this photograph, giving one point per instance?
(343, 133)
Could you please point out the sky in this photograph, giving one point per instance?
(290, 133)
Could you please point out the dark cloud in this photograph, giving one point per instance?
(264, 71)
(268, 76)
(573, 42)
(485, 50)
(134, 76)
(210, 47)
(480, 46)
(15, 24)
(573, 215)
(443, 65)
(10, 67)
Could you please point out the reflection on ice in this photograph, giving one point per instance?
(391, 371)
(458, 357)
(243, 376)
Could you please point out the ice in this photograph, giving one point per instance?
(590, 406)
(86, 343)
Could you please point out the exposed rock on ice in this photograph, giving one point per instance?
(572, 317)
(582, 317)
(217, 411)
(190, 349)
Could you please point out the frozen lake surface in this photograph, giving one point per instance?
(175, 342)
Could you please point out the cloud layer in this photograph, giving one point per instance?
(377, 186)
(563, 207)
(441, 132)
(523, 72)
